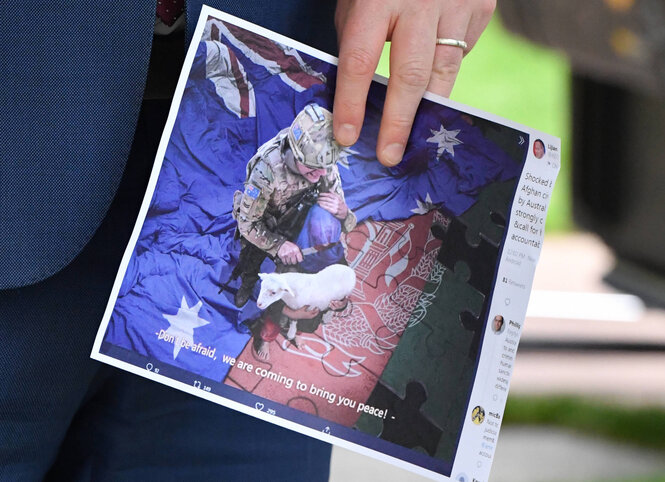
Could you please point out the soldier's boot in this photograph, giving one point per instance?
(245, 291)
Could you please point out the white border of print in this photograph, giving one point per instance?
(468, 456)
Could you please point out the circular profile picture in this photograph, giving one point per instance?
(478, 415)
(539, 149)
(498, 324)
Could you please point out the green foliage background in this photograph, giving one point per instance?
(522, 82)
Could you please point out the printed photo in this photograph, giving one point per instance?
(306, 281)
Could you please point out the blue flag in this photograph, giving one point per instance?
(242, 89)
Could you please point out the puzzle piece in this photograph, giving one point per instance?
(455, 416)
(511, 141)
(404, 424)
(481, 259)
(486, 219)
(411, 321)
(435, 351)
(380, 252)
(304, 404)
(324, 371)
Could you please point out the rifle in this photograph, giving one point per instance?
(288, 225)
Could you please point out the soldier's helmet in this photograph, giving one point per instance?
(311, 138)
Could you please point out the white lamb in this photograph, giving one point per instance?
(297, 290)
(316, 290)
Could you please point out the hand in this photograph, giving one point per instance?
(416, 62)
(304, 313)
(334, 204)
(289, 253)
(337, 305)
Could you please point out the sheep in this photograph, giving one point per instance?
(316, 290)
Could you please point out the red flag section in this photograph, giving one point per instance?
(273, 56)
(337, 367)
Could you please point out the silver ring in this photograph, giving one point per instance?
(452, 42)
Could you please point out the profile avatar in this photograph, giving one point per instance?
(497, 324)
(539, 149)
(478, 415)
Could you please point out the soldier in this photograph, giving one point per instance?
(291, 173)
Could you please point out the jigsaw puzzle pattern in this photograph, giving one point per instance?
(427, 381)
(408, 341)
(486, 220)
(347, 354)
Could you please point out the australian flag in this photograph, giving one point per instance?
(242, 89)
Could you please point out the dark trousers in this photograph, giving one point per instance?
(64, 416)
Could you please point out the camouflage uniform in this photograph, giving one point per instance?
(272, 182)
(273, 188)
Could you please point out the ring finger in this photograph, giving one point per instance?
(447, 58)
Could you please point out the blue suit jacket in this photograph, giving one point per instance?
(72, 87)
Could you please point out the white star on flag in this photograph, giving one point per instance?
(183, 324)
(424, 207)
(344, 156)
(446, 140)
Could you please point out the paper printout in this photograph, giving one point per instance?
(396, 334)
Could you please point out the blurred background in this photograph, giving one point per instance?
(587, 397)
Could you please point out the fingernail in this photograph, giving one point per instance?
(392, 154)
(347, 134)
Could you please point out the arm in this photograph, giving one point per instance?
(333, 201)
(253, 204)
(304, 313)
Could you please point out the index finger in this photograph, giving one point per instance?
(411, 55)
(361, 44)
